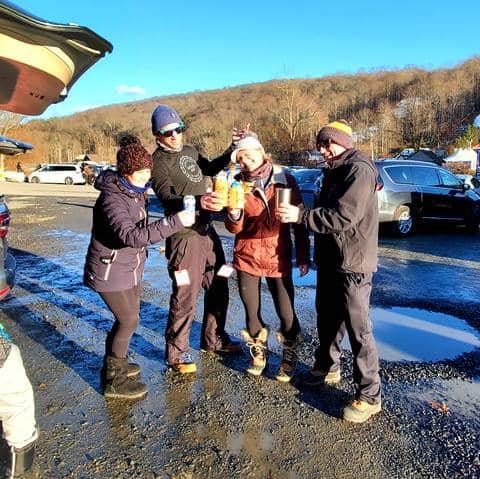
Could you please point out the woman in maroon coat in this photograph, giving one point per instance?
(263, 248)
(116, 257)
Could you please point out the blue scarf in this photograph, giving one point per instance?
(137, 189)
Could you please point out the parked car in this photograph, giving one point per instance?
(7, 261)
(412, 192)
(472, 181)
(308, 180)
(9, 147)
(63, 173)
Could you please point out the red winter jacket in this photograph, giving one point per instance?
(263, 245)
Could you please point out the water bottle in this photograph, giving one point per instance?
(189, 205)
(236, 198)
(221, 187)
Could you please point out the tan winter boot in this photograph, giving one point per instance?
(258, 350)
(288, 365)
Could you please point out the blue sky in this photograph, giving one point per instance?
(162, 48)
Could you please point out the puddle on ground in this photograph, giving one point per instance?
(255, 443)
(460, 396)
(408, 334)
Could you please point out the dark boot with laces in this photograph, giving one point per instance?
(288, 365)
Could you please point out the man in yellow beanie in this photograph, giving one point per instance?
(345, 223)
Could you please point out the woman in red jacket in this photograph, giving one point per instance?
(263, 249)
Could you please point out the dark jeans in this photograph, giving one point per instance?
(342, 303)
(125, 306)
(201, 256)
(282, 293)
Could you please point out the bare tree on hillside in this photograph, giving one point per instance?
(9, 121)
(293, 113)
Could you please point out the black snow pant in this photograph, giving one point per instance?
(201, 255)
(125, 306)
(282, 293)
(342, 303)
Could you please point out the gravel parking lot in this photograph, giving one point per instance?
(221, 423)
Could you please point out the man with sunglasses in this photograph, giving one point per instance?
(195, 254)
(345, 223)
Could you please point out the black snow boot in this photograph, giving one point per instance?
(133, 368)
(21, 460)
(117, 383)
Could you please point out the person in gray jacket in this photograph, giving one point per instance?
(345, 223)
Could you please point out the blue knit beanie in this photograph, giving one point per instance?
(164, 115)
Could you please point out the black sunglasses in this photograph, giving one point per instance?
(179, 129)
(324, 143)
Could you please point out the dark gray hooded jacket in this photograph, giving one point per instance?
(346, 217)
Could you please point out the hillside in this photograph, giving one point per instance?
(388, 110)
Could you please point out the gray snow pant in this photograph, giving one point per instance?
(342, 302)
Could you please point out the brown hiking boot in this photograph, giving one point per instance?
(184, 365)
(288, 365)
(258, 350)
(133, 370)
(360, 411)
(117, 384)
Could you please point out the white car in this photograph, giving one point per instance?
(63, 173)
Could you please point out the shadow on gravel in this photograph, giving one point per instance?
(327, 399)
(84, 363)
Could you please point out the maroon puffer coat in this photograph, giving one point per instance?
(263, 245)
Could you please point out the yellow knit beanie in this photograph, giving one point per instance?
(338, 132)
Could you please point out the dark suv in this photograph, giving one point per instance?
(308, 180)
(410, 192)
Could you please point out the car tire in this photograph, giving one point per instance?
(403, 221)
(68, 181)
(35, 179)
